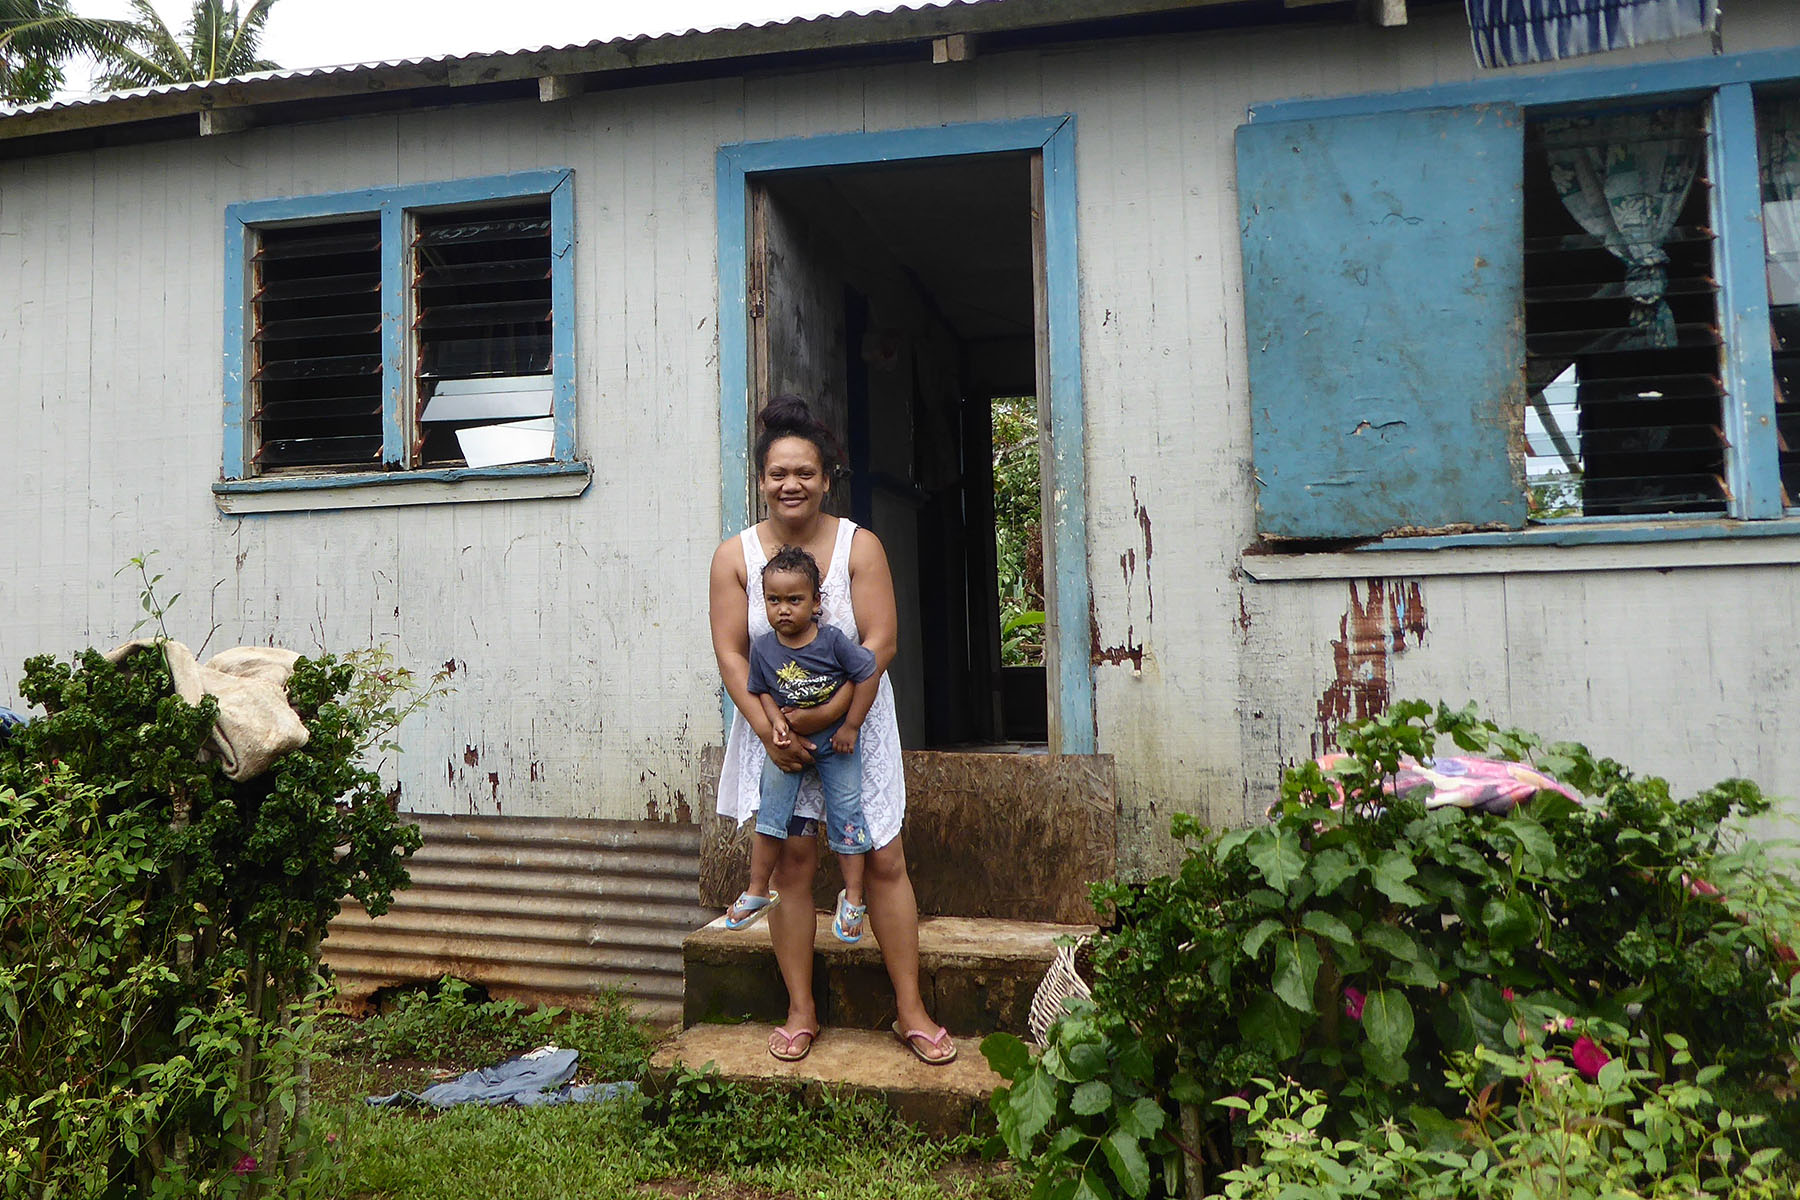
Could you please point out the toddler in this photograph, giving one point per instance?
(801, 664)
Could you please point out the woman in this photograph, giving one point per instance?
(795, 455)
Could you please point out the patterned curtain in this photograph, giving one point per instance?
(1779, 138)
(1624, 178)
(1506, 33)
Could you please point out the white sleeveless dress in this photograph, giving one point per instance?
(884, 782)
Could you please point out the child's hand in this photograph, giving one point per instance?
(784, 733)
(844, 740)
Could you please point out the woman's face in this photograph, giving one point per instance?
(793, 479)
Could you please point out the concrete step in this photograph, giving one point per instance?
(976, 974)
(942, 1100)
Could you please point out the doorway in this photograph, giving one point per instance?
(903, 293)
(897, 299)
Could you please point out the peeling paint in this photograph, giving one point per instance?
(678, 812)
(1129, 651)
(471, 756)
(1371, 634)
(1142, 516)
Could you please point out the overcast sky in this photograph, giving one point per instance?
(313, 33)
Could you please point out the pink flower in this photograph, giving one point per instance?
(245, 1165)
(331, 1139)
(1241, 1094)
(1508, 995)
(1589, 1057)
(1353, 1003)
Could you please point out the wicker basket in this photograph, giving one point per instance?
(1061, 982)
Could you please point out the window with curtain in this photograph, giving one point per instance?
(1623, 404)
(1778, 159)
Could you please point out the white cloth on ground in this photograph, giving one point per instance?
(884, 780)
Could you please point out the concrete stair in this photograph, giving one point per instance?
(977, 976)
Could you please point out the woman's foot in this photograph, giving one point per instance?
(792, 1045)
(933, 1049)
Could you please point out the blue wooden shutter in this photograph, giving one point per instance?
(1383, 290)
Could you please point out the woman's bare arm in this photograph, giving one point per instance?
(808, 721)
(872, 596)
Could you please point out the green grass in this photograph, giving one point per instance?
(610, 1149)
(696, 1136)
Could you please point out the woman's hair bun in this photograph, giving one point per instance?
(789, 414)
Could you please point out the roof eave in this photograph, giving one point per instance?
(722, 49)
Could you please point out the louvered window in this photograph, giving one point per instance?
(388, 336)
(316, 348)
(482, 336)
(1778, 155)
(1624, 398)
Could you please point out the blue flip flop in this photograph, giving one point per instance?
(848, 914)
(753, 908)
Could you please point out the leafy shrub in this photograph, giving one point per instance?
(1356, 949)
(160, 929)
(448, 1023)
(1559, 1134)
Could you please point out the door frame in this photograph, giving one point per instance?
(1070, 681)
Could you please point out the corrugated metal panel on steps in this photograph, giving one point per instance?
(542, 910)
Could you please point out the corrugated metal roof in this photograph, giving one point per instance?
(170, 89)
(223, 105)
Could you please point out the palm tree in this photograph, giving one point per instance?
(37, 37)
(215, 43)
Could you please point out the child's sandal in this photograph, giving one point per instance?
(848, 914)
(750, 909)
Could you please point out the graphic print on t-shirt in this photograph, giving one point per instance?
(805, 689)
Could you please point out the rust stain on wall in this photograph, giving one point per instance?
(1373, 631)
(1143, 519)
(1130, 651)
(679, 811)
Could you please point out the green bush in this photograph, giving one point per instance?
(1357, 949)
(1564, 1126)
(160, 929)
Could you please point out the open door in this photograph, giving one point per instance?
(900, 300)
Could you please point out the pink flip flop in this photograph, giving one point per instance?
(912, 1037)
(787, 1053)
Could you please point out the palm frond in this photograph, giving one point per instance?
(246, 37)
(128, 68)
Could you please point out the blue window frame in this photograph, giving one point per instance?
(1387, 306)
(401, 334)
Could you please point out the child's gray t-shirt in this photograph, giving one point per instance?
(807, 676)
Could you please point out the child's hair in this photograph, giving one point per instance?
(797, 561)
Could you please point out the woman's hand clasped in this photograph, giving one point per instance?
(794, 754)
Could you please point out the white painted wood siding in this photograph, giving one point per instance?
(584, 681)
